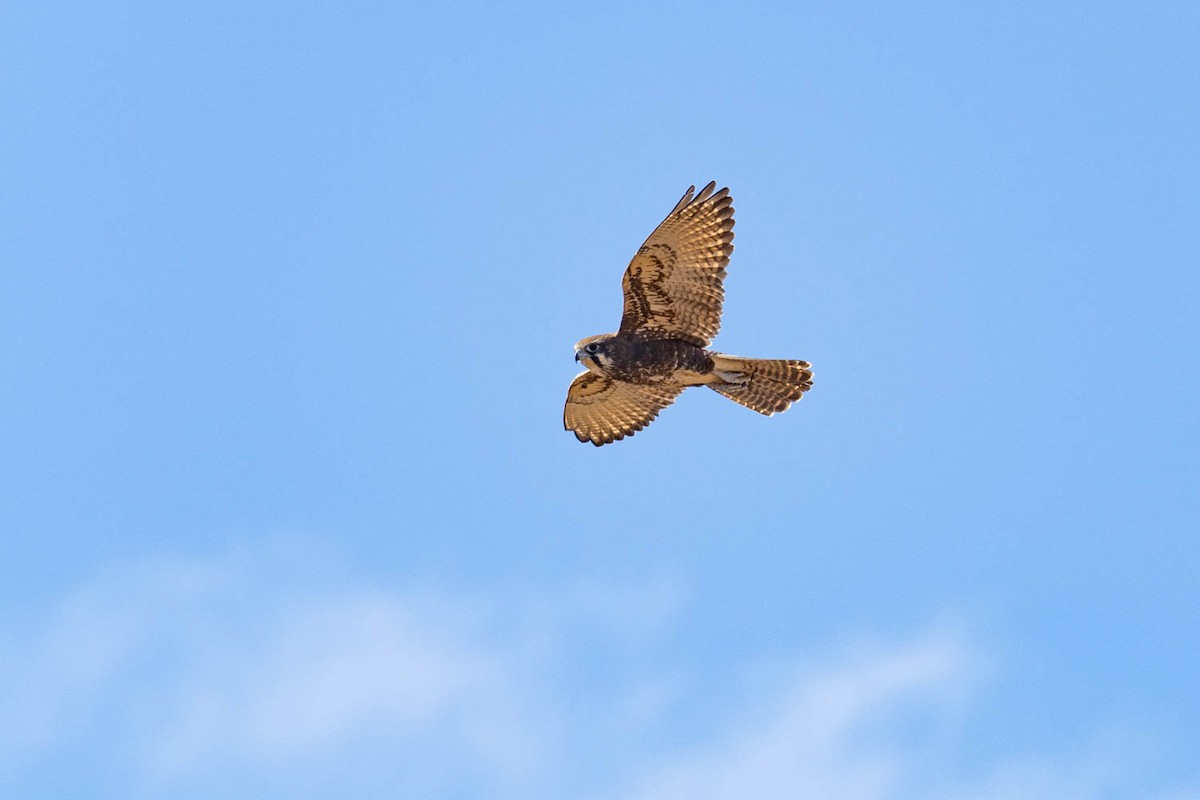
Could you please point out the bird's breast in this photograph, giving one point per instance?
(661, 361)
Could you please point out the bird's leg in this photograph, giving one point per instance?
(732, 376)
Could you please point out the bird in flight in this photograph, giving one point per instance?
(673, 294)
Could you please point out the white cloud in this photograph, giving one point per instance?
(236, 677)
(55, 665)
(217, 668)
(880, 723)
(327, 667)
(812, 737)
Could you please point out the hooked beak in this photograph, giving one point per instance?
(577, 355)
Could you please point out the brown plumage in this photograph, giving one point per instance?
(673, 296)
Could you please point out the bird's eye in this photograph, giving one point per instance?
(592, 348)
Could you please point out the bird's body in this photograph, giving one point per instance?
(634, 358)
(673, 295)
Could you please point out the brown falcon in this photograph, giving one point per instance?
(673, 295)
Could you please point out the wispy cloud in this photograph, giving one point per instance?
(327, 667)
(880, 722)
(223, 667)
(57, 663)
(237, 676)
(817, 734)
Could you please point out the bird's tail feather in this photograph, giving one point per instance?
(765, 385)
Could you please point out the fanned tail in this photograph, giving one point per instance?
(765, 385)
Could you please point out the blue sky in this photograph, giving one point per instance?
(287, 301)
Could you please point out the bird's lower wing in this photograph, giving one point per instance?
(601, 410)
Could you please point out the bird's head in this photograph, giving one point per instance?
(594, 352)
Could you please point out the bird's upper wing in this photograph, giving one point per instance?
(601, 410)
(673, 285)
